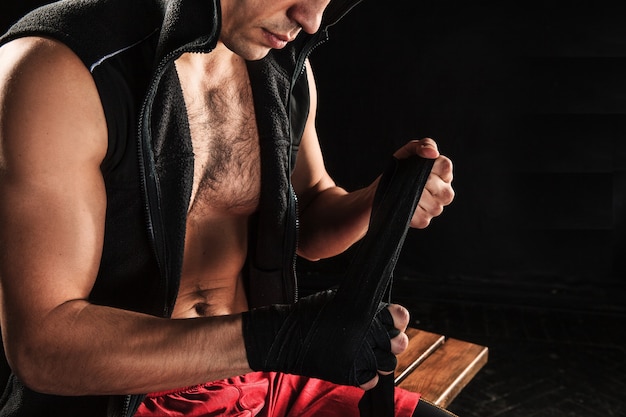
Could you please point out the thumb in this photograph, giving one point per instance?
(426, 148)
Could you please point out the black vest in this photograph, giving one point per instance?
(130, 47)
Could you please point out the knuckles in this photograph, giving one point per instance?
(444, 165)
(446, 196)
(421, 222)
(399, 343)
(400, 316)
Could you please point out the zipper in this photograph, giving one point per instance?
(293, 208)
(131, 402)
(148, 193)
(321, 37)
(300, 67)
(151, 190)
(149, 185)
(296, 222)
(295, 251)
(294, 219)
(126, 407)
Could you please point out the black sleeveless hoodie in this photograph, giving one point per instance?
(130, 47)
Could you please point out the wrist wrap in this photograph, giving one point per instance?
(289, 338)
(344, 337)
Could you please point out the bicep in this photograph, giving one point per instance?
(52, 140)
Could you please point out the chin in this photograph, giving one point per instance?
(249, 53)
(254, 54)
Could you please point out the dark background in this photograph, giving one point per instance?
(528, 101)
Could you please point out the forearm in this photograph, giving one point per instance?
(334, 220)
(84, 349)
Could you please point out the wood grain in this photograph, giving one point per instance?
(421, 345)
(438, 368)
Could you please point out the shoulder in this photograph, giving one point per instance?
(34, 59)
(21, 53)
(46, 91)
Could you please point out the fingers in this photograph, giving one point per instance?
(369, 384)
(401, 319)
(443, 169)
(400, 316)
(395, 320)
(438, 192)
(397, 325)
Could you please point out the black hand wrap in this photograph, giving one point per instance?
(344, 337)
(292, 339)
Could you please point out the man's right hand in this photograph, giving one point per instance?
(287, 338)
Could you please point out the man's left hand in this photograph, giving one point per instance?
(438, 192)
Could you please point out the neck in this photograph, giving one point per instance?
(220, 64)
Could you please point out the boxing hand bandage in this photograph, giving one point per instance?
(297, 339)
(345, 337)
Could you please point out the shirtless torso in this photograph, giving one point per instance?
(226, 183)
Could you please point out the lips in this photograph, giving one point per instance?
(276, 40)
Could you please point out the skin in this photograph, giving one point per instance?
(53, 138)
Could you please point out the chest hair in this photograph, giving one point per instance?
(226, 147)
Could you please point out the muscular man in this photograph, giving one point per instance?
(148, 172)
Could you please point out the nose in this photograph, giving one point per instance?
(308, 14)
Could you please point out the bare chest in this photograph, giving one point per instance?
(225, 144)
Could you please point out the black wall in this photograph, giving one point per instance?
(10, 11)
(529, 102)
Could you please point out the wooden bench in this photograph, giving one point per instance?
(437, 367)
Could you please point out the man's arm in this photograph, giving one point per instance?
(333, 219)
(52, 209)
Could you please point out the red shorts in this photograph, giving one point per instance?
(266, 395)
